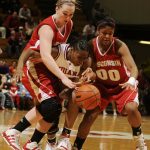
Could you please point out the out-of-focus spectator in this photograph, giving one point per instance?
(4, 68)
(14, 93)
(24, 14)
(2, 28)
(12, 68)
(11, 23)
(1, 51)
(14, 5)
(21, 39)
(5, 90)
(2, 95)
(29, 27)
(2, 32)
(88, 31)
(13, 45)
(25, 97)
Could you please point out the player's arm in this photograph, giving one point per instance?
(130, 64)
(24, 57)
(22, 60)
(89, 65)
(46, 36)
(86, 73)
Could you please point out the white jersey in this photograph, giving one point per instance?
(68, 68)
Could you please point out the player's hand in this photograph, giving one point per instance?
(87, 71)
(88, 75)
(66, 81)
(127, 86)
(18, 75)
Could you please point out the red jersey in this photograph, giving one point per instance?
(110, 68)
(58, 38)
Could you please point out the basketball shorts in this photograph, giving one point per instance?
(40, 82)
(121, 99)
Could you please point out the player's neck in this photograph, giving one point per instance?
(104, 48)
(58, 24)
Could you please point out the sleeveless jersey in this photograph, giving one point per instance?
(65, 65)
(42, 83)
(58, 38)
(110, 68)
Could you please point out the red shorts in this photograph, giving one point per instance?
(40, 82)
(26, 82)
(121, 99)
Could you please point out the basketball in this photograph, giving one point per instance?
(87, 96)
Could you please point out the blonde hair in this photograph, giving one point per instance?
(69, 2)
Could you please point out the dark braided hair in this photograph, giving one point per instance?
(108, 21)
(79, 45)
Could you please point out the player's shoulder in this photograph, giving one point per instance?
(118, 43)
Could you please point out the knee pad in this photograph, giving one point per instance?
(50, 109)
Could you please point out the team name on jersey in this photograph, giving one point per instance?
(108, 63)
(68, 72)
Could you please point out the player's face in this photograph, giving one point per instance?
(78, 57)
(106, 35)
(64, 13)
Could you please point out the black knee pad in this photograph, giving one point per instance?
(50, 109)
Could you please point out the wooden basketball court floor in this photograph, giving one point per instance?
(107, 133)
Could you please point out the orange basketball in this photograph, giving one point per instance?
(87, 96)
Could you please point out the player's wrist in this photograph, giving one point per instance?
(62, 78)
(132, 81)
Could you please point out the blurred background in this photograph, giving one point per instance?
(18, 18)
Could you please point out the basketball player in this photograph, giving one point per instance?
(44, 76)
(70, 60)
(116, 79)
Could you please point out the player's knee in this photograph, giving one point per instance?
(91, 115)
(131, 108)
(50, 109)
(89, 119)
